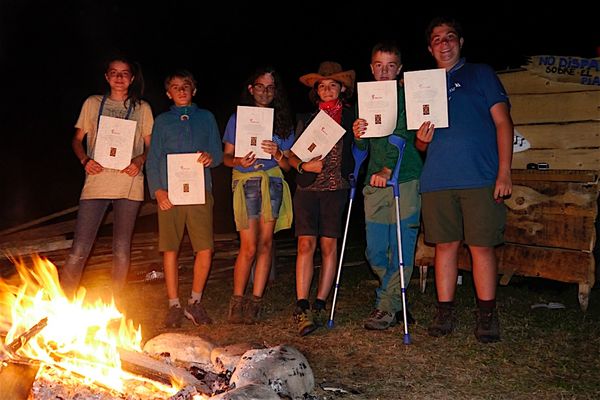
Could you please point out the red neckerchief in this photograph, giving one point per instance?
(333, 108)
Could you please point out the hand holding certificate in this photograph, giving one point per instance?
(426, 98)
(378, 105)
(114, 142)
(318, 138)
(252, 126)
(186, 179)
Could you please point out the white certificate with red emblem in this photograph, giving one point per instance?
(185, 179)
(114, 142)
(252, 126)
(426, 98)
(318, 138)
(378, 105)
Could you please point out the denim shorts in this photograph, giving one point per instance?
(254, 196)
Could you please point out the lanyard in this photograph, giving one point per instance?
(102, 103)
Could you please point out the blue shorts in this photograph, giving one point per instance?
(254, 196)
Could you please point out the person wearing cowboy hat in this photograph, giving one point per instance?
(321, 194)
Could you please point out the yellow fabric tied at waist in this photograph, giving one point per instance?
(239, 199)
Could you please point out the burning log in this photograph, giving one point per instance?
(20, 341)
(16, 380)
(143, 365)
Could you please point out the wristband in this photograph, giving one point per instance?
(85, 161)
(280, 157)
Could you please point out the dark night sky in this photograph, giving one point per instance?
(51, 56)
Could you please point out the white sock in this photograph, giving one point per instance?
(174, 302)
(195, 297)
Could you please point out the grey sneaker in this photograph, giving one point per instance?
(174, 317)
(444, 321)
(487, 329)
(197, 314)
(235, 314)
(380, 320)
(252, 310)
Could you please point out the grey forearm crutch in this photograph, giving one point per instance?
(400, 144)
(359, 157)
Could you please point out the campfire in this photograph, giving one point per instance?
(76, 343)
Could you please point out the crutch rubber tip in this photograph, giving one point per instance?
(330, 324)
(406, 339)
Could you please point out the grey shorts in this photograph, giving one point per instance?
(471, 215)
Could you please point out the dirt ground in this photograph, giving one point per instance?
(545, 353)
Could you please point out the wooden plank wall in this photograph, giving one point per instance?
(560, 120)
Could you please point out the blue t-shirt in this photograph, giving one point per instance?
(465, 155)
(260, 164)
(182, 130)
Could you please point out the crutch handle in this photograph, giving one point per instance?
(400, 143)
(359, 156)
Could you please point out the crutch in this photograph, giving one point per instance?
(400, 144)
(359, 157)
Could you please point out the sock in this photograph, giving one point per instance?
(174, 302)
(486, 304)
(319, 304)
(449, 305)
(195, 297)
(303, 304)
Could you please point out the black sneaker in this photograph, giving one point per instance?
(174, 317)
(444, 322)
(409, 318)
(197, 314)
(487, 328)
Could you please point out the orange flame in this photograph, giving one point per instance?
(79, 337)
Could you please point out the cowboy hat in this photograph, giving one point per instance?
(330, 70)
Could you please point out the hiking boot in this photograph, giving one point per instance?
(409, 318)
(304, 320)
(197, 314)
(235, 314)
(252, 310)
(380, 320)
(444, 321)
(174, 317)
(487, 329)
(319, 316)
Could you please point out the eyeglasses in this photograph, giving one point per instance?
(116, 74)
(260, 88)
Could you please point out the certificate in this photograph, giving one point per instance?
(426, 98)
(378, 105)
(252, 126)
(114, 142)
(186, 179)
(318, 138)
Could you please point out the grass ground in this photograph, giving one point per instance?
(544, 353)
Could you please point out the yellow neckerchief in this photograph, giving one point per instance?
(239, 199)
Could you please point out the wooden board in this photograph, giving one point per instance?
(524, 82)
(576, 159)
(570, 266)
(571, 135)
(555, 107)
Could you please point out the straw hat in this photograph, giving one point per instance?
(330, 70)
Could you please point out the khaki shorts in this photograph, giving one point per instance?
(471, 215)
(197, 218)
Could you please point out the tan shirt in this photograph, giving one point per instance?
(111, 183)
